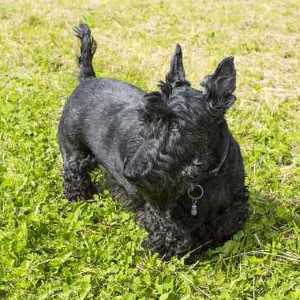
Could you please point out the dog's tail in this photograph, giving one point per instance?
(87, 51)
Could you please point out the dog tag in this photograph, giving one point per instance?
(198, 194)
(194, 210)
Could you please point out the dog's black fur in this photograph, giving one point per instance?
(159, 148)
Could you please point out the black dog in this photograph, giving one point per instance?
(170, 151)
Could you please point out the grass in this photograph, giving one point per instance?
(51, 249)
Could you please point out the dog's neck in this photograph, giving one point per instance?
(226, 145)
(207, 165)
(196, 191)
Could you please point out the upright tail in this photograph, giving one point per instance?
(87, 51)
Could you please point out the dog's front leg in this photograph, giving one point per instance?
(166, 237)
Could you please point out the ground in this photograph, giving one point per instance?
(51, 249)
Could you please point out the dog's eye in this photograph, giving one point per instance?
(197, 162)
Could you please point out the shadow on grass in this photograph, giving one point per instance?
(271, 230)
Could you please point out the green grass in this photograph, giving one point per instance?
(51, 249)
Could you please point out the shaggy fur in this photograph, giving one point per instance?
(158, 148)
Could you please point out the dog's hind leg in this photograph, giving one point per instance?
(87, 51)
(77, 180)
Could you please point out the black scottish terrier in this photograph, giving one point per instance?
(170, 152)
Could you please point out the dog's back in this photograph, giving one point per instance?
(117, 103)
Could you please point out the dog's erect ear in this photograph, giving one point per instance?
(224, 78)
(176, 72)
(220, 86)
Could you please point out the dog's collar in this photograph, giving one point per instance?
(196, 191)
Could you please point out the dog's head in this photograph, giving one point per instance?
(182, 123)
